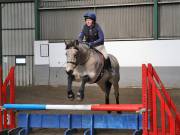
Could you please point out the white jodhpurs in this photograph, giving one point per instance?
(101, 48)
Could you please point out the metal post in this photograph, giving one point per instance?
(144, 100)
(12, 97)
(154, 103)
(1, 103)
(37, 20)
(92, 125)
(0, 36)
(155, 20)
(94, 3)
(149, 94)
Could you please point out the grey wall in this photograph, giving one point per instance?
(61, 25)
(169, 20)
(120, 19)
(23, 73)
(17, 39)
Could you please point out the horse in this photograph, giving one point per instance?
(86, 64)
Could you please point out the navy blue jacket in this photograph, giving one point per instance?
(93, 35)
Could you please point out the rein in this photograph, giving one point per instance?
(72, 62)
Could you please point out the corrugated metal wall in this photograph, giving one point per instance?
(169, 20)
(84, 3)
(24, 76)
(115, 22)
(17, 39)
(120, 19)
(62, 24)
(126, 22)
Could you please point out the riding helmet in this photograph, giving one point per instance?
(90, 15)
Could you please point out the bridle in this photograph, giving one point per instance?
(71, 61)
(77, 59)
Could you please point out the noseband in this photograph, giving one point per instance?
(72, 62)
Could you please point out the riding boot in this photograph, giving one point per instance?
(108, 64)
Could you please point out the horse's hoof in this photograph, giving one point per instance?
(79, 96)
(79, 99)
(109, 112)
(71, 96)
(119, 112)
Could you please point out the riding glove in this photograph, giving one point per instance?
(90, 44)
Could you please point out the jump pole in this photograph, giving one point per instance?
(90, 107)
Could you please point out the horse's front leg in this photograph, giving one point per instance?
(70, 93)
(80, 94)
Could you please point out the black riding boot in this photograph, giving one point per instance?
(107, 64)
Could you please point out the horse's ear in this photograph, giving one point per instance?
(76, 43)
(66, 43)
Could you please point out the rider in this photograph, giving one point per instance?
(94, 36)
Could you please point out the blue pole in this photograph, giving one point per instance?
(25, 106)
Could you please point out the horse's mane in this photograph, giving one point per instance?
(83, 45)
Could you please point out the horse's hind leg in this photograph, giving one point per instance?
(116, 93)
(107, 92)
(106, 87)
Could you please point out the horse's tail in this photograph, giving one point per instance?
(115, 65)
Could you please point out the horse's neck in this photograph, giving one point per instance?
(91, 62)
(84, 50)
(84, 55)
